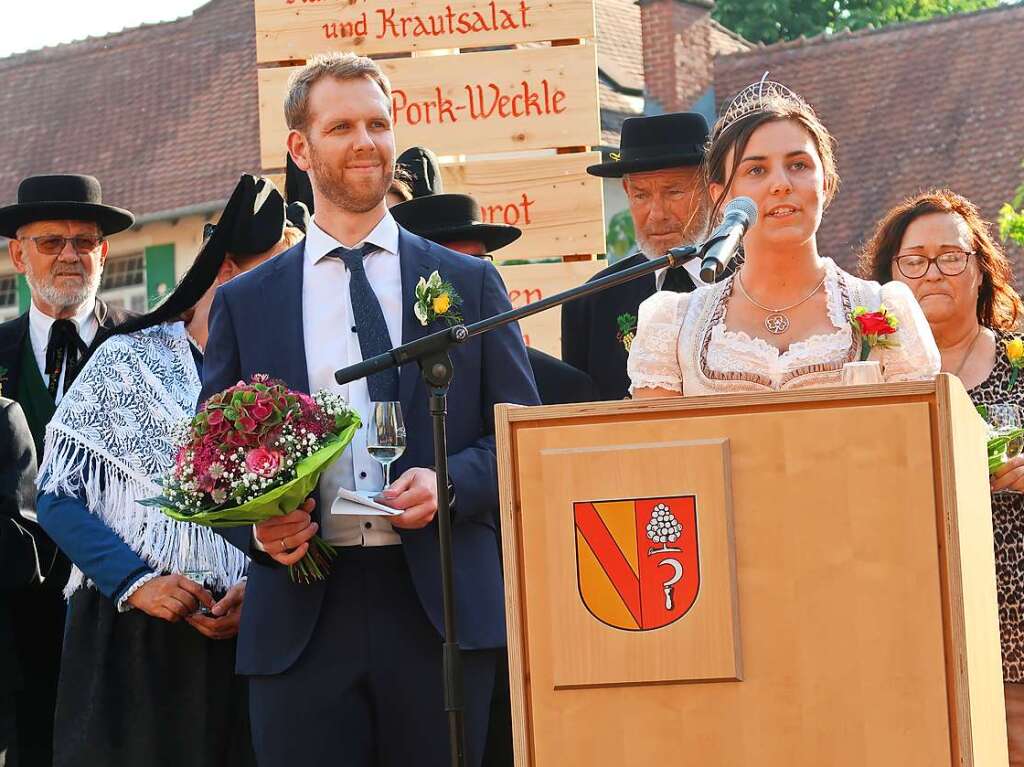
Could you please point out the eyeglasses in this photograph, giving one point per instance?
(53, 244)
(951, 263)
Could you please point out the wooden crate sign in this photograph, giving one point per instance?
(475, 103)
(529, 283)
(557, 204)
(290, 30)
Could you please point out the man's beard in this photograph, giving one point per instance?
(331, 183)
(63, 298)
(692, 232)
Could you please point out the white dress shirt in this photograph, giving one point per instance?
(692, 266)
(332, 343)
(39, 325)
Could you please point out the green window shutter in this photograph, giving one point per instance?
(24, 294)
(159, 272)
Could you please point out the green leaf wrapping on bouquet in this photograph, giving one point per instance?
(997, 448)
(281, 500)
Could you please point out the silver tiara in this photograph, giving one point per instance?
(754, 98)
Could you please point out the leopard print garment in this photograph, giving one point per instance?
(1007, 526)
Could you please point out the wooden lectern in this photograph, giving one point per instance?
(801, 579)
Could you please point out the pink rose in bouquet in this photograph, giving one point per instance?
(263, 461)
(254, 451)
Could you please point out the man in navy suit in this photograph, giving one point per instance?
(348, 671)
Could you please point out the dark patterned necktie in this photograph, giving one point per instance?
(677, 280)
(371, 327)
(64, 349)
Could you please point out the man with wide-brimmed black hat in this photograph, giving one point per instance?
(57, 230)
(659, 164)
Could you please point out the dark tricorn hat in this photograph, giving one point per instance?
(422, 172)
(297, 186)
(256, 227)
(62, 196)
(656, 143)
(250, 196)
(298, 215)
(445, 218)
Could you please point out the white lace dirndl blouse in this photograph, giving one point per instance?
(682, 343)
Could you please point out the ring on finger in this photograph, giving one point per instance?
(284, 546)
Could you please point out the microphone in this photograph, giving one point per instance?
(721, 246)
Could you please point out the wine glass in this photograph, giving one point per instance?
(1005, 418)
(385, 439)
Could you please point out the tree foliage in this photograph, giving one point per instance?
(769, 21)
(1011, 218)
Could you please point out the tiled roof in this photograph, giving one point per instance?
(620, 53)
(912, 106)
(164, 115)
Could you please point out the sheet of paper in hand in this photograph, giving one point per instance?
(360, 502)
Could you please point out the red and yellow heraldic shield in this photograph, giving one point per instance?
(636, 561)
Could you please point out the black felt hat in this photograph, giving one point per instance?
(297, 186)
(297, 215)
(656, 143)
(445, 218)
(423, 174)
(245, 205)
(62, 196)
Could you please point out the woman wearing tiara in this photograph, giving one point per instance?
(780, 321)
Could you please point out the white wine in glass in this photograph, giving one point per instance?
(385, 438)
(1005, 419)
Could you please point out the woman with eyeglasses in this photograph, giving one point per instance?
(938, 245)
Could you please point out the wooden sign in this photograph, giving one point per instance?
(557, 204)
(474, 103)
(529, 283)
(553, 199)
(290, 30)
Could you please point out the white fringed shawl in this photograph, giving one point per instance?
(109, 443)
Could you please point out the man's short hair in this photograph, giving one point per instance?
(340, 66)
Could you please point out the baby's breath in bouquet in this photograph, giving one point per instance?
(255, 451)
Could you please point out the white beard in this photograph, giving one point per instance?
(62, 299)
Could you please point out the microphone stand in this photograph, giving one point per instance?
(432, 355)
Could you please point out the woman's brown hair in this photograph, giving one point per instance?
(772, 103)
(999, 305)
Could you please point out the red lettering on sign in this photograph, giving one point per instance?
(440, 109)
(346, 29)
(527, 100)
(510, 213)
(528, 295)
(492, 18)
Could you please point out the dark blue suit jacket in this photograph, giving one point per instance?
(256, 327)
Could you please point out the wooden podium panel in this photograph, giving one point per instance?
(705, 645)
(846, 613)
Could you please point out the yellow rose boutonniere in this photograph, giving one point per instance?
(1015, 354)
(436, 299)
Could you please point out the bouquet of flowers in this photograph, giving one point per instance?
(255, 451)
(874, 329)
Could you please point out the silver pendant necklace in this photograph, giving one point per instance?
(777, 322)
